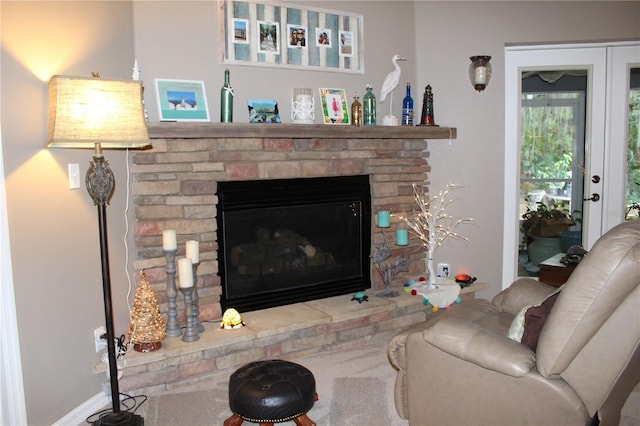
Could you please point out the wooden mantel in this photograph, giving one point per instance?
(182, 130)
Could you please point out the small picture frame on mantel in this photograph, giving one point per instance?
(181, 100)
(335, 109)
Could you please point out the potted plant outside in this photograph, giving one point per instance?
(542, 228)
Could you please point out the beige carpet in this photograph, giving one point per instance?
(355, 388)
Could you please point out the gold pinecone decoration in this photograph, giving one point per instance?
(147, 327)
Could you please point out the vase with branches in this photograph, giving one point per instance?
(432, 224)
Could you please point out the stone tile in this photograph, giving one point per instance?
(341, 308)
(284, 319)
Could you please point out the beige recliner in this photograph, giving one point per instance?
(460, 367)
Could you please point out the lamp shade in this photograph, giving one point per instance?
(85, 111)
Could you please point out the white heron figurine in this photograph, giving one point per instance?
(389, 86)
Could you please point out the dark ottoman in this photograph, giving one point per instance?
(273, 391)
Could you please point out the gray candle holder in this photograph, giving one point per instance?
(190, 334)
(195, 298)
(173, 328)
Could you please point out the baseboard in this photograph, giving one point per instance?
(80, 414)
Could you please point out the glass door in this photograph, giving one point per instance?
(551, 163)
(608, 165)
(623, 156)
(554, 141)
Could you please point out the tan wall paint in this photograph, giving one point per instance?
(54, 230)
(447, 34)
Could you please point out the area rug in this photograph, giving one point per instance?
(355, 388)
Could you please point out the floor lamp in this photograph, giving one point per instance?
(99, 114)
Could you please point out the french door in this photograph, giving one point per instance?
(601, 170)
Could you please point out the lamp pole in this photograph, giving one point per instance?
(100, 185)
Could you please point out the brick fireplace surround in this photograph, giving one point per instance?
(174, 187)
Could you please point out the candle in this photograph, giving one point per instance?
(383, 218)
(169, 240)
(193, 251)
(481, 75)
(402, 237)
(303, 99)
(185, 273)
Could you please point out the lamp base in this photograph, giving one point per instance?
(123, 418)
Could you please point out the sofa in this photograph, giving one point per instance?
(534, 354)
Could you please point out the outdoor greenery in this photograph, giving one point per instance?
(632, 194)
(546, 222)
(547, 148)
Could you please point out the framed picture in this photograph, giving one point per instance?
(263, 111)
(297, 36)
(335, 109)
(240, 31)
(181, 100)
(268, 38)
(323, 37)
(346, 43)
(270, 33)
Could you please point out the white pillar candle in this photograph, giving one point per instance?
(193, 251)
(303, 99)
(481, 75)
(169, 240)
(185, 273)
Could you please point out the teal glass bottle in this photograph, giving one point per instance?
(407, 108)
(369, 107)
(226, 100)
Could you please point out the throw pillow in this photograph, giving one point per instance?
(517, 328)
(534, 320)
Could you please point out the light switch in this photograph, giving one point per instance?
(74, 175)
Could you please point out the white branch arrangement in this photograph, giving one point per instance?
(433, 225)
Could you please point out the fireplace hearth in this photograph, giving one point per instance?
(174, 184)
(285, 241)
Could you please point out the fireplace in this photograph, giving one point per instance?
(286, 241)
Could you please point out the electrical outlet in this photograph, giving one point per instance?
(443, 270)
(101, 343)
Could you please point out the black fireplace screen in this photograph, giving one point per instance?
(292, 240)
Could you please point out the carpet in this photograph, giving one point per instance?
(355, 388)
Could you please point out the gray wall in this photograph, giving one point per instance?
(447, 34)
(53, 230)
(195, 55)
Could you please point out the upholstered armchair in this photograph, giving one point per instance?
(461, 367)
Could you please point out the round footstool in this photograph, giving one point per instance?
(272, 391)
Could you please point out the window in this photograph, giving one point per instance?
(632, 189)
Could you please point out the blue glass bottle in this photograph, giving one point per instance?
(407, 108)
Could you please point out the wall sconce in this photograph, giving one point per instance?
(480, 72)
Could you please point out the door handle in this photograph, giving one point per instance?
(594, 197)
